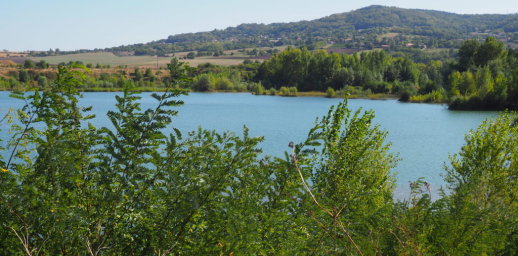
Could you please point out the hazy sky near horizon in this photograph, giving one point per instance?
(76, 24)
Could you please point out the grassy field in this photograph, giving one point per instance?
(335, 46)
(436, 50)
(389, 35)
(350, 51)
(231, 57)
(104, 58)
(107, 58)
(214, 60)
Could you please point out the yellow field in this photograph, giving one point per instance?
(18, 54)
(6, 63)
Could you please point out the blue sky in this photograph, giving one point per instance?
(79, 24)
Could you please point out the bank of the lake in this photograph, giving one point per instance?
(374, 96)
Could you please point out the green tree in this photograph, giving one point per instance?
(42, 81)
(23, 76)
(202, 83)
(28, 64)
(490, 50)
(455, 79)
(468, 85)
(293, 91)
(351, 192)
(138, 74)
(224, 84)
(467, 54)
(483, 211)
(149, 75)
(42, 64)
(191, 55)
(330, 93)
(258, 89)
(149, 72)
(484, 81)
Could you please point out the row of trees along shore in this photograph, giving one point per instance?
(142, 187)
(485, 76)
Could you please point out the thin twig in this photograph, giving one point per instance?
(24, 243)
(294, 158)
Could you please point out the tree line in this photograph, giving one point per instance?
(316, 71)
(206, 77)
(483, 78)
(480, 76)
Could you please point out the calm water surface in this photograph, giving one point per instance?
(423, 134)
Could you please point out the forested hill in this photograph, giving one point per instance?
(366, 28)
(414, 21)
(423, 22)
(337, 27)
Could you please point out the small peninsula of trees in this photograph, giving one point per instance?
(484, 78)
(140, 186)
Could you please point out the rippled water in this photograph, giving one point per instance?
(423, 134)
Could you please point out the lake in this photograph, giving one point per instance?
(423, 134)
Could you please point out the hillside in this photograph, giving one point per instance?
(421, 22)
(425, 22)
(358, 28)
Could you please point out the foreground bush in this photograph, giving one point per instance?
(74, 189)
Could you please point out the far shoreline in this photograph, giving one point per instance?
(299, 94)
